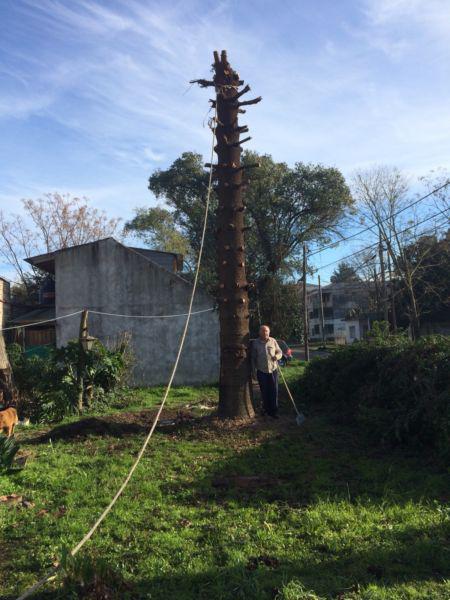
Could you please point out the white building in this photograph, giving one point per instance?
(345, 312)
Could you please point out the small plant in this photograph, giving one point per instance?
(294, 590)
(380, 331)
(8, 450)
(91, 578)
(48, 385)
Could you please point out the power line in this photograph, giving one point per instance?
(372, 246)
(376, 243)
(370, 228)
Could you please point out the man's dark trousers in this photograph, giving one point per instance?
(268, 384)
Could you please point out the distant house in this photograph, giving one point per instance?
(109, 277)
(34, 326)
(345, 312)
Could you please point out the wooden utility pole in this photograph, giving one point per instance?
(234, 391)
(322, 320)
(384, 303)
(392, 295)
(81, 359)
(305, 308)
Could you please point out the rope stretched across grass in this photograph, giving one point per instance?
(52, 572)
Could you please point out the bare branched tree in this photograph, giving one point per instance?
(382, 198)
(50, 223)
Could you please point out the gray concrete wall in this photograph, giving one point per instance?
(163, 259)
(108, 277)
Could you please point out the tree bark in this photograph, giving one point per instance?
(7, 391)
(413, 314)
(234, 393)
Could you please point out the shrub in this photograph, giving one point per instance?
(48, 385)
(8, 450)
(396, 390)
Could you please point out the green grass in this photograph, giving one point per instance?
(332, 518)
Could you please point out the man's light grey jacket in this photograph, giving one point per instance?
(265, 355)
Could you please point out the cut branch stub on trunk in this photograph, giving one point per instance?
(235, 394)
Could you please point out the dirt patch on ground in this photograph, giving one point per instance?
(184, 420)
(173, 422)
(258, 424)
(117, 425)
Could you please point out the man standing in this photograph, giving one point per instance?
(265, 354)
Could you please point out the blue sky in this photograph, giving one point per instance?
(95, 95)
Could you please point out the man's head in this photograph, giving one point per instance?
(264, 332)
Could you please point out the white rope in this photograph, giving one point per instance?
(119, 492)
(196, 312)
(40, 322)
(97, 312)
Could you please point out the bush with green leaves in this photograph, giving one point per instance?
(48, 385)
(396, 390)
(103, 369)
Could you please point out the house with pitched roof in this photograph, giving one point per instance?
(133, 292)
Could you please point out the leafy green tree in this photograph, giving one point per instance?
(156, 227)
(184, 186)
(280, 307)
(344, 273)
(288, 206)
(285, 207)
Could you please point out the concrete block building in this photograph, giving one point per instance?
(345, 311)
(109, 277)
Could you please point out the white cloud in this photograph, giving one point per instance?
(23, 106)
(430, 18)
(120, 80)
(434, 14)
(152, 155)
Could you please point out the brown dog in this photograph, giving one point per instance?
(8, 420)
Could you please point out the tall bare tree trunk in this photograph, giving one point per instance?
(234, 395)
(7, 390)
(6, 382)
(414, 321)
